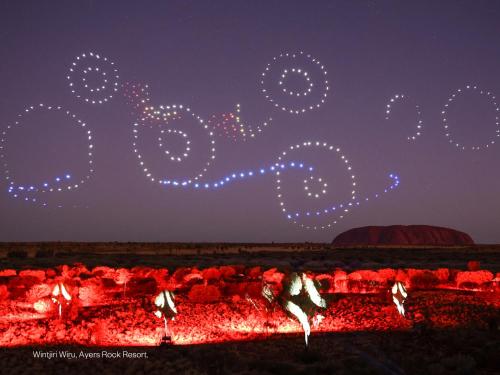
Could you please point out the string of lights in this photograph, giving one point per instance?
(339, 210)
(287, 67)
(232, 126)
(63, 182)
(169, 114)
(401, 97)
(93, 78)
(137, 96)
(225, 125)
(446, 119)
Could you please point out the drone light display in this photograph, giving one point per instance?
(93, 78)
(338, 210)
(446, 120)
(277, 76)
(91, 67)
(34, 192)
(400, 97)
(232, 126)
(170, 114)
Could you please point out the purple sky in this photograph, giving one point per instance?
(209, 55)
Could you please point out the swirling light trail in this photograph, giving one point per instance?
(400, 97)
(293, 101)
(88, 64)
(63, 182)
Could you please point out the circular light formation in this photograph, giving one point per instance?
(451, 99)
(295, 217)
(232, 126)
(276, 77)
(63, 182)
(399, 97)
(339, 211)
(299, 72)
(167, 114)
(309, 190)
(93, 78)
(187, 147)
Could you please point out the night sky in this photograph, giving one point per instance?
(210, 56)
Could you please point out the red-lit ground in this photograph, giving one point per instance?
(115, 306)
(222, 313)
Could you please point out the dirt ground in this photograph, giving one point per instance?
(417, 352)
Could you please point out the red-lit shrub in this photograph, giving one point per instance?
(227, 271)
(179, 274)
(473, 265)
(193, 277)
(254, 272)
(273, 276)
(37, 292)
(443, 274)
(422, 279)
(211, 274)
(38, 274)
(326, 282)
(8, 273)
(4, 293)
(387, 274)
(473, 279)
(254, 289)
(141, 271)
(50, 273)
(22, 283)
(91, 292)
(340, 281)
(204, 294)
(402, 275)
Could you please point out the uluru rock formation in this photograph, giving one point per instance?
(407, 235)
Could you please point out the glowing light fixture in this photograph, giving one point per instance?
(399, 295)
(60, 296)
(166, 309)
